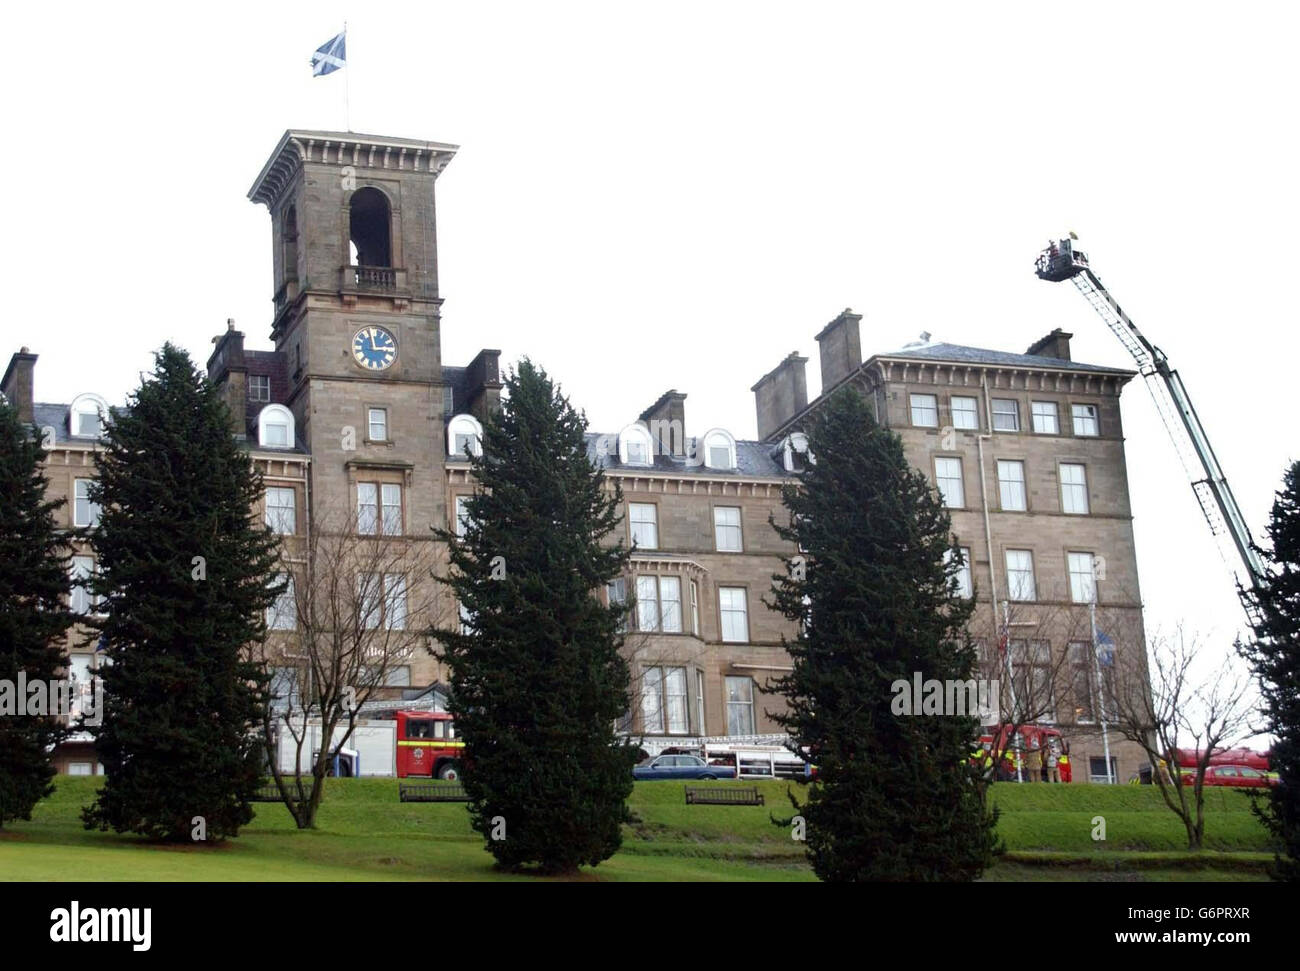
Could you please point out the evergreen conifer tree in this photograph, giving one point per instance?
(33, 618)
(537, 677)
(895, 798)
(1274, 655)
(185, 570)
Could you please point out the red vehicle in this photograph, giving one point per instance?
(427, 745)
(1033, 739)
(1187, 757)
(1234, 776)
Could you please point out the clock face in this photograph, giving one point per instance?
(374, 348)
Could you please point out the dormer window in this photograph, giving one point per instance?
(87, 415)
(794, 452)
(635, 446)
(719, 449)
(464, 437)
(275, 427)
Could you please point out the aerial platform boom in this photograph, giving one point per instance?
(1063, 260)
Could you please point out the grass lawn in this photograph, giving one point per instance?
(366, 834)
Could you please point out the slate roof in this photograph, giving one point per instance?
(56, 416)
(458, 378)
(752, 459)
(980, 355)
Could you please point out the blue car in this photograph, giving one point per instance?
(681, 767)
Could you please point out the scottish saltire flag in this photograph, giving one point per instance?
(1105, 650)
(331, 55)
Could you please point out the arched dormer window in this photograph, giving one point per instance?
(464, 437)
(794, 452)
(635, 446)
(719, 449)
(370, 228)
(275, 427)
(87, 415)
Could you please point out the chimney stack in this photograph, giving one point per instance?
(781, 394)
(1056, 344)
(841, 348)
(483, 379)
(17, 384)
(666, 419)
(228, 371)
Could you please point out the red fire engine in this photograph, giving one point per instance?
(1033, 739)
(427, 745)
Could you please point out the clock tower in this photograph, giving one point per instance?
(357, 315)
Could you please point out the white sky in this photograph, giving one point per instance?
(677, 194)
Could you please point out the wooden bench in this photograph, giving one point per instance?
(718, 796)
(431, 792)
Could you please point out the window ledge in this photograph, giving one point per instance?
(378, 464)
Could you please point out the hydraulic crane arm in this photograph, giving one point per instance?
(1063, 261)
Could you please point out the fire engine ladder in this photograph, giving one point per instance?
(1210, 485)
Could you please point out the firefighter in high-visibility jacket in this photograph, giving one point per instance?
(1063, 766)
(1014, 763)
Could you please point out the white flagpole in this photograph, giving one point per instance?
(347, 84)
(1096, 661)
(1004, 648)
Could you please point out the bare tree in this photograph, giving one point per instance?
(1033, 677)
(359, 605)
(1169, 707)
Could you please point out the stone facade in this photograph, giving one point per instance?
(354, 246)
(713, 536)
(1006, 426)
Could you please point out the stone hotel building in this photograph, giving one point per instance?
(353, 411)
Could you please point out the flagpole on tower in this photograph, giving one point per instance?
(332, 56)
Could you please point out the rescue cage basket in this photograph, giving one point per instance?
(1060, 261)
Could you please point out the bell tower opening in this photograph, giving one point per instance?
(370, 228)
(356, 271)
(354, 231)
